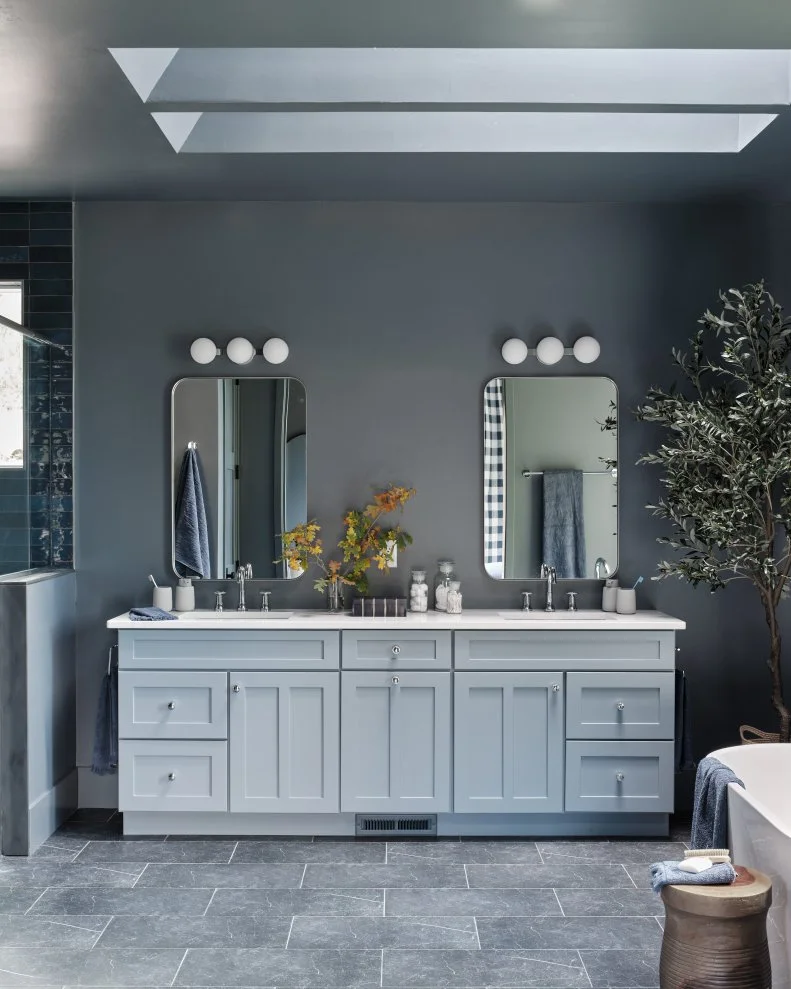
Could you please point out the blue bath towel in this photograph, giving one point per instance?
(710, 812)
(105, 739)
(151, 615)
(192, 528)
(669, 874)
(564, 526)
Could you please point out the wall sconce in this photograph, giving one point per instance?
(550, 350)
(275, 351)
(203, 350)
(239, 350)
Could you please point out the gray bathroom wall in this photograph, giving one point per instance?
(394, 314)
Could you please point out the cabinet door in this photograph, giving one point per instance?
(284, 742)
(508, 743)
(395, 742)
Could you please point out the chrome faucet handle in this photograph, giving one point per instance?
(265, 596)
(527, 600)
(218, 596)
(572, 599)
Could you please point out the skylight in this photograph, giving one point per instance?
(416, 100)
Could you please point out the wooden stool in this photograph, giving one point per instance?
(715, 936)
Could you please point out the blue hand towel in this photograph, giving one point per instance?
(151, 615)
(105, 740)
(564, 525)
(191, 526)
(710, 812)
(669, 874)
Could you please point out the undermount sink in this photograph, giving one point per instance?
(554, 616)
(232, 615)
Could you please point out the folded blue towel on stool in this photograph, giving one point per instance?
(151, 615)
(669, 874)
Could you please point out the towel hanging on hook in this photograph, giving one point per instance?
(110, 659)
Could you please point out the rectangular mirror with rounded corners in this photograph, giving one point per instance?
(239, 474)
(550, 477)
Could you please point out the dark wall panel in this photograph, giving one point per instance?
(394, 315)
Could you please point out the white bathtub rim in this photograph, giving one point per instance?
(743, 793)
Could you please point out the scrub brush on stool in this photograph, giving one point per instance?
(715, 854)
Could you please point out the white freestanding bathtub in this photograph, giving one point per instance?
(760, 835)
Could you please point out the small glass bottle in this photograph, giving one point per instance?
(441, 585)
(418, 591)
(454, 597)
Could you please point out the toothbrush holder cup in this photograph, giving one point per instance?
(626, 601)
(163, 598)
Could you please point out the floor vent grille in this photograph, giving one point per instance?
(371, 824)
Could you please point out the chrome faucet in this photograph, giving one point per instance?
(527, 600)
(265, 596)
(550, 575)
(243, 573)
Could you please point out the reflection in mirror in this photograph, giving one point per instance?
(550, 477)
(239, 474)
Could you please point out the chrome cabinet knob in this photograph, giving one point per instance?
(619, 777)
(396, 650)
(621, 705)
(171, 705)
(555, 687)
(236, 688)
(171, 776)
(395, 681)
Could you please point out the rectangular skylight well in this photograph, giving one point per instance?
(461, 132)
(654, 77)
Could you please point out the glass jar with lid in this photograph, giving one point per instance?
(442, 584)
(454, 597)
(418, 591)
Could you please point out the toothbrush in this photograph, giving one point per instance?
(638, 581)
(151, 578)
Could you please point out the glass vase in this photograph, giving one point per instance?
(335, 603)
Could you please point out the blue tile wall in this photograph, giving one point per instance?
(36, 504)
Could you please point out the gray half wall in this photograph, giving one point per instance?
(394, 315)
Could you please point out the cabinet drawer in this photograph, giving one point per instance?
(619, 776)
(157, 775)
(227, 649)
(172, 705)
(399, 649)
(620, 705)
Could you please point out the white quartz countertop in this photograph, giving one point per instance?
(505, 621)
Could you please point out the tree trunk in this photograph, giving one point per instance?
(775, 668)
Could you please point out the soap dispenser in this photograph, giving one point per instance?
(185, 595)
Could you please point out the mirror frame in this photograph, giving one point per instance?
(216, 377)
(547, 377)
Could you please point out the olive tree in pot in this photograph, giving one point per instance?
(726, 461)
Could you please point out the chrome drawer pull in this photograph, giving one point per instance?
(236, 688)
(619, 777)
(396, 650)
(621, 705)
(171, 776)
(171, 705)
(555, 687)
(395, 681)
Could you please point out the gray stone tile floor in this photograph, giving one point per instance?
(91, 908)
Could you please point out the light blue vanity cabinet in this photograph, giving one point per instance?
(508, 743)
(395, 742)
(496, 725)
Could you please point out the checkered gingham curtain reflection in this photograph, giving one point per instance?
(494, 477)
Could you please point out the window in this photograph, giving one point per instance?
(12, 379)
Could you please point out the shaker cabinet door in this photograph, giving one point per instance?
(395, 742)
(508, 743)
(284, 742)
